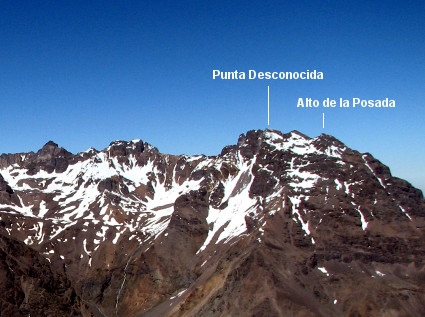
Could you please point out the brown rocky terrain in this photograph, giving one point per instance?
(29, 286)
(276, 225)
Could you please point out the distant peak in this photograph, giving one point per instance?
(50, 147)
(298, 133)
(329, 139)
(123, 148)
(118, 142)
(269, 131)
(50, 144)
(91, 150)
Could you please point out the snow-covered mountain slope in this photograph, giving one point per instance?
(140, 232)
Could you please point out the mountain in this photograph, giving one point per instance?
(276, 225)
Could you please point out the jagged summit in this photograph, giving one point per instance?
(50, 144)
(277, 224)
(125, 148)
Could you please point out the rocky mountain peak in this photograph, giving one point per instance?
(125, 148)
(51, 150)
(50, 144)
(50, 158)
(327, 141)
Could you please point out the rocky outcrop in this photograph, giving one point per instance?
(30, 287)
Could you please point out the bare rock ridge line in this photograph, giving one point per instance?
(279, 224)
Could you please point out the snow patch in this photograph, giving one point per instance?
(323, 270)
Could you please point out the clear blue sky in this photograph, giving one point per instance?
(84, 73)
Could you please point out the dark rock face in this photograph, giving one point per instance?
(123, 148)
(276, 225)
(6, 191)
(4, 186)
(30, 287)
(49, 158)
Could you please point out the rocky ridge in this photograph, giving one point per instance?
(276, 225)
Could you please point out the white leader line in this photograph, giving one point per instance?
(268, 105)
